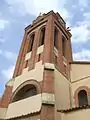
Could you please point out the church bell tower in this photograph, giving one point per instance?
(42, 68)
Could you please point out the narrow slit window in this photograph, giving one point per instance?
(39, 56)
(65, 69)
(42, 36)
(63, 45)
(56, 38)
(55, 60)
(31, 42)
(26, 64)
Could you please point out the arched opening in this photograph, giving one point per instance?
(42, 36)
(82, 98)
(25, 92)
(63, 45)
(56, 37)
(31, 42)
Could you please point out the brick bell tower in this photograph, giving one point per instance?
(44, 56)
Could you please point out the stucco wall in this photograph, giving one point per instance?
(77, 85)
(2, 113)
(83, 114)
(34, 117)
(62, 94)
(80, 76)
(79, 71)
(24, 107)
(36, 74)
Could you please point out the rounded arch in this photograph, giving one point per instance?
(29, 34)
(26, 89)
(82, 98)
(43, 26)
(82, 91)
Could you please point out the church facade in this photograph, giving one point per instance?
(47, 84)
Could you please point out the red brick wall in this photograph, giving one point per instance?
(49, 41)
(48, 55)
(48, 81)
(47, 112)
(6, 97)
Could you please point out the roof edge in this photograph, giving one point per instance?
(80, 62)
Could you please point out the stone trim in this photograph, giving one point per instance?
(56, 51)
(40, 49)
(87, 89)
(48, 98)
(49, 66)
(28, 56)
(10, 82)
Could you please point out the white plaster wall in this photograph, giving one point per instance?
(2, 113)
(80, 76)
(24, 107)
(36, 74)
(77, 84)
(25, 70)
(83, 114)
(79, 71)
(62, 91)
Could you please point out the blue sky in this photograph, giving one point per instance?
(15, 15)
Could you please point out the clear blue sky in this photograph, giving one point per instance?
(15, 15)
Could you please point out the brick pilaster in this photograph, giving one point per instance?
(47, 112)
(49, 40)
(48, 81)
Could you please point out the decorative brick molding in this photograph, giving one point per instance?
(87, 89)
(32, 82)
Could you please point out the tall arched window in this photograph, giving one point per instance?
(42, 36)
(31, 42)
(63, 45)
(56, 37)
(25, 92)
(82, 98)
